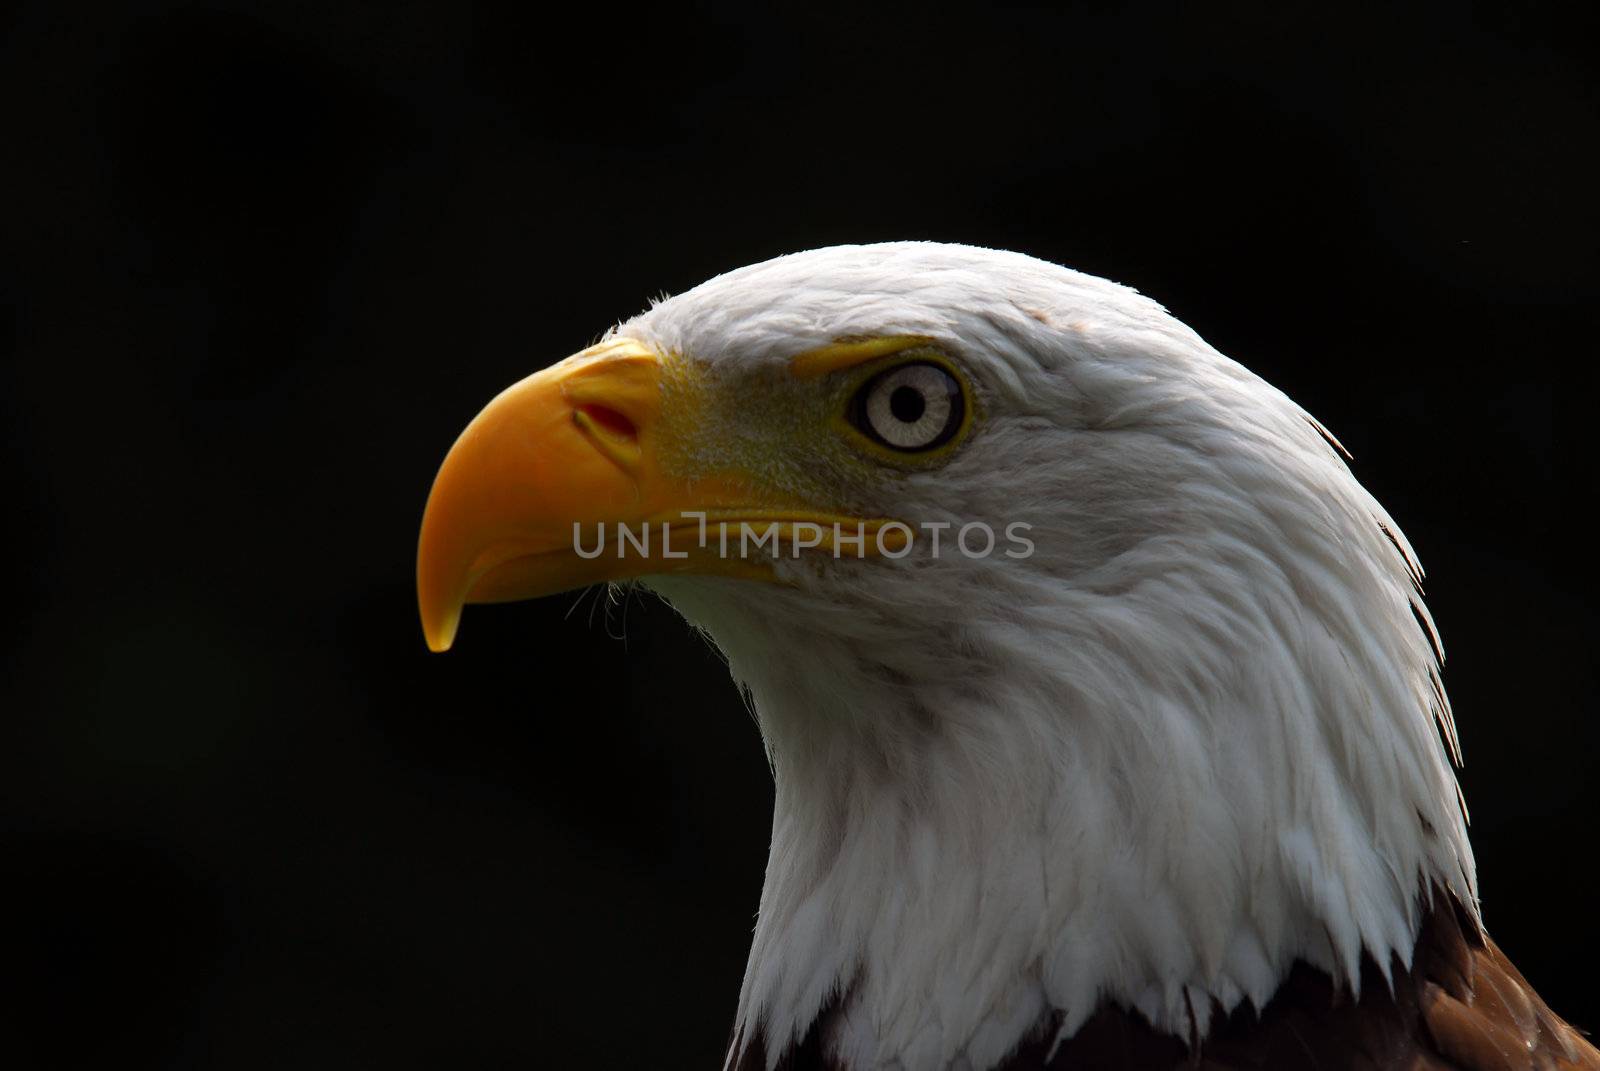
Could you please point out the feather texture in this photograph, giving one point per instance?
(1460, 1006)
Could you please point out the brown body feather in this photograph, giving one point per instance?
(1461, 1006)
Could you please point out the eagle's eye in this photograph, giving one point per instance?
(915, 406)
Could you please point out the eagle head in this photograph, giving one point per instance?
(1087, 671)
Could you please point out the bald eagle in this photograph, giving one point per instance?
(1101, 701)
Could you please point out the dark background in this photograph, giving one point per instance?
(262, 264)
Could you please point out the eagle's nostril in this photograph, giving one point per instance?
(610, 421)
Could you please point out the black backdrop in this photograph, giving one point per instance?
(262, 264)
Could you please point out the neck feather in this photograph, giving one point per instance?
(1159, 793)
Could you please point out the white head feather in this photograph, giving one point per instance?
(1195, 737)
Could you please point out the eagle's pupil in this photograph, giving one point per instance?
(907, 404)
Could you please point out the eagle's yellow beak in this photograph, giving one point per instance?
(519, 505)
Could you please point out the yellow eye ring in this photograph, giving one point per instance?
(914, 409)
